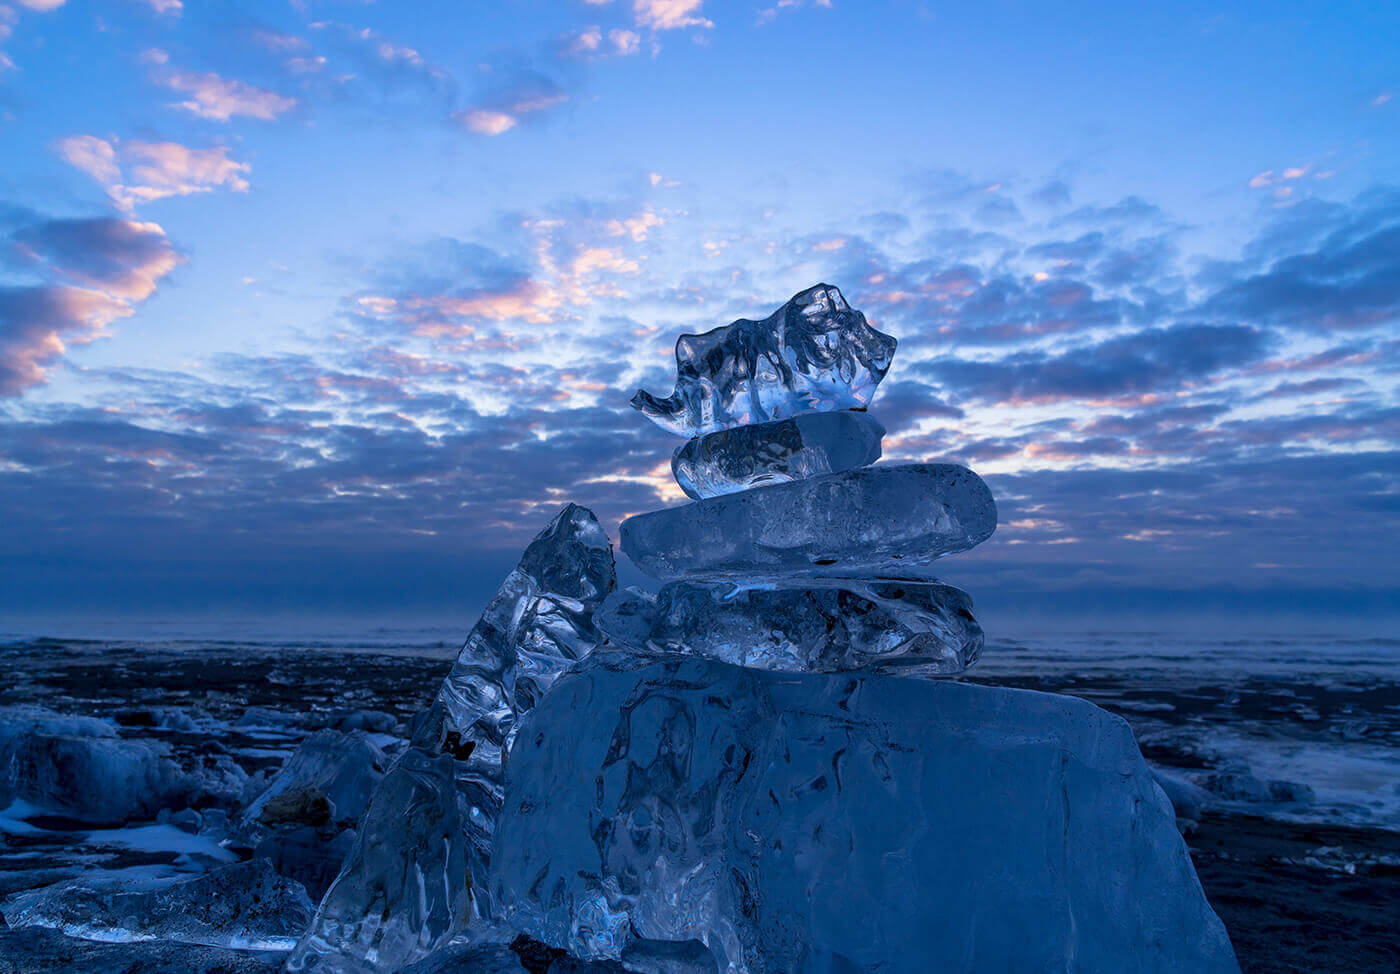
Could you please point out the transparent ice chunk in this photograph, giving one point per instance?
(416, 874)
(245, 905)
(815, 822)
(917, 629)
(815, 353)
(784, 449)
(892, 521)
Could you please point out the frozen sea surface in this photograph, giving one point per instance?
(1292, 739)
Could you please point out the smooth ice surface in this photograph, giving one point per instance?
(770, 453)
(813, 354)
(816, 626)
(891, 520)
(245, 905)
(417, 871)
(822, 823)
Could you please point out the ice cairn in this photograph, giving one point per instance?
(758, 768)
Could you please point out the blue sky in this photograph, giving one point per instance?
(322, 306)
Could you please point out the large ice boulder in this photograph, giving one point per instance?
(822, 822)
(77, 767)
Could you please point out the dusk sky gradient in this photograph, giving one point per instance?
(329, 306)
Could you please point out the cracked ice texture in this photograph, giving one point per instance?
(775, 452)
(417, 871)
(891, 521)
(915, 629)
(813, 354)
(811, 822)
(245, 905)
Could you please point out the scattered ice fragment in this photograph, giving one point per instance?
(763, 814)
(78, 768)
(784, 449)
(813, 354)
(886, 520)
(417, 872)
(807, 625)
(326, 782)
(246, 905)
(404, 888)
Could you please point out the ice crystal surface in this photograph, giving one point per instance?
(885, 520)
(814, 625)
(416, 874)
(815, 353)
(780, 450)
(821, 822)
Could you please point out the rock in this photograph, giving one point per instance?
(822, 823)
(892, 521)
(916, 629)
(245, 905)
(804, 446)
(813, 354)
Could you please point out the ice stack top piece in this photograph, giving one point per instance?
(814, 354)
(780, 465)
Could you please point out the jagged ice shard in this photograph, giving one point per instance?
(416, 874)
(813, 354)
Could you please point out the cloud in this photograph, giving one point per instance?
(1350, 280)
(41, 5)
(499, 109)
(172, 7)
(220, 99)
(662, 15)
(134, 173)
(1151, 360)
(123, 258)
(114, 263)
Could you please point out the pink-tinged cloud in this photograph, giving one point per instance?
(485, 122)
(41, 5)
(36, 321)
(139, 172)
(220, 99)
(172, 7)
(669, 14)
(111, 264)
(123, 258)
(495, 121)
(625, 42)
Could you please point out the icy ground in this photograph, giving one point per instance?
(1281, 753)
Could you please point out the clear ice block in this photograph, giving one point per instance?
(815, 353)
(775, 452)
(891, 521)
(815, 822)
(916, 629)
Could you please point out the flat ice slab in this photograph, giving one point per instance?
(891, 520)
(837, 822)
